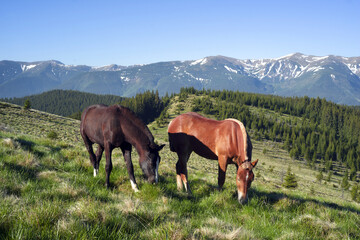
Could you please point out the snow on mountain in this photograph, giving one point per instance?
(291, 75)
(295, 65)
(200, 61)
(27, 67)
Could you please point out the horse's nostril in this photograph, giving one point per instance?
(151, 180)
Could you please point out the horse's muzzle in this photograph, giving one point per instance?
(241, 198)
(152, 180)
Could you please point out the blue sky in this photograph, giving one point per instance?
(99, 33)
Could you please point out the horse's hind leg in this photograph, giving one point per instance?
(181, 172)
(98, 154)
(108, 165)
(89, 148)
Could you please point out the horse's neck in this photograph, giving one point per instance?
(142, 147)
(141, 139)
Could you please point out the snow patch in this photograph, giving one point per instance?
(27, 67)
(314, 69)
(354, 68)
(200, 61)
(230, 69)
(319, 58)
(125, 79)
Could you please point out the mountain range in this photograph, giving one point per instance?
(335, 78)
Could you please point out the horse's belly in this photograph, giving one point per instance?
(205, 153)
(202, 150)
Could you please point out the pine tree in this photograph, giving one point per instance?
(27, 104)
(355, 193)
(320, 176)
(345, 181)
(290, 180)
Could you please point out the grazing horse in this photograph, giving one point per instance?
(117, 126)
(226, 141)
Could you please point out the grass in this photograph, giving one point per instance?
(47, 191)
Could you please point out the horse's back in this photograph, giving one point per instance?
(96, 119)
(207, 137)
(193, 132)
(189, 123)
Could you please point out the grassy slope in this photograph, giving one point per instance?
(47, 191)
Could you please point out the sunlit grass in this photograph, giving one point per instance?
(47, 191)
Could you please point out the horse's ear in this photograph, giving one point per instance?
(254, 163)
(160, 147)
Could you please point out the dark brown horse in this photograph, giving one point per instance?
(117, 126)
(226, 141)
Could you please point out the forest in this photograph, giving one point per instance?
(64, 102)
(69, 103)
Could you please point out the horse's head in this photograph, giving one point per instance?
(244, 177)
(150, 165)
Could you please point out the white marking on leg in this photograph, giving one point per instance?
(186, 186)
(134, 186)
(96, 171)
(247, 176)
(179, 182)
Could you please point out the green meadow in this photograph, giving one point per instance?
(47, 191)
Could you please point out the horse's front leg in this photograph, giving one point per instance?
(222, 171)
(182, 173)
(126, 150)
(108, 165)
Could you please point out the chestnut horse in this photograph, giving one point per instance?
(117, 126)
(226, 141)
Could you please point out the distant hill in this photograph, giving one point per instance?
(335, 78)
(65, 102)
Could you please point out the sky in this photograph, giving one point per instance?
(99, 33)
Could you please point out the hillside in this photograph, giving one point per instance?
(323, 134)
(147, 105)
(335, 78)
(65, 102)
(47, 190)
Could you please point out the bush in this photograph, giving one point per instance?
(355, 193)
(52, 135)
(290, 180)
(27, 104)
(320, 176)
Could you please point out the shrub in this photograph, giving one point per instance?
(27, 104)
(355, 193)
(290, 179)
(264, 151)
(52, 135)
(319, 176)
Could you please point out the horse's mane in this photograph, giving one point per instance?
(137, 122)
(246, 137)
